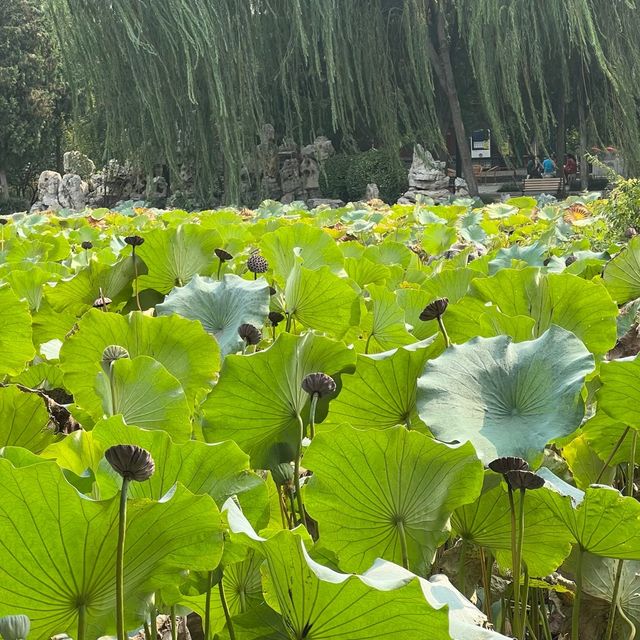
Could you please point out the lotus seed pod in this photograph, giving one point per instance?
(630, 232)
(509, 463)
(257, 264)
(318, 384)
(569, 260)
(87, 244)
(102, 301)
(434, 309)
(282, 473)
(3, 221)
(224, 256)
(134, 241)
(272, 291)
(15, 627)
(131, 462)
(275, 318)
(524, 480)
(249, 333)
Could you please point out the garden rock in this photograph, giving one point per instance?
(427, 178)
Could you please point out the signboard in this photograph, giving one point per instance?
(481, 143)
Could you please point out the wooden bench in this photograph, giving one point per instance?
(543, 185)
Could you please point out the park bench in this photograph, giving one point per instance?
(542, 185)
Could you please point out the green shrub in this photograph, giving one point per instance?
(346, 176)
(622, 207)
(509, 187)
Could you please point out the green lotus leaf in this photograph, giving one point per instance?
(622, 274)
(145, 394)
(28, 284)
(220, 306)
(452, 284)
(24, 420)
(619, 394)
(363, 271)
(495, 323)
(384, 323)
(369, 488)
(507, 399)
(603, 434)
(437, 238)
(258, 397)
(315, 247)
(182, 346)
(174, 256)
(487, 523)
(600, 520)
(49, 324)
(317, 602)
(381, 393)
(43, 375)
(578, 305)
(321, 300)
(52, 566)
(391, 253)
(78, 293)
(16, 344)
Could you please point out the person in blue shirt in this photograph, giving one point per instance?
(549, 168)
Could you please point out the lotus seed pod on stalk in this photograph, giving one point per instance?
(223, 255)
(130, 461)
(257, 264)
(319, 384)
(520, 479)
(434, 309)
(275, 318)
(282, 473)
(134, 241)
(86, 245)
(508, 463)
(250, 334)
(15, 627)
(101, 302)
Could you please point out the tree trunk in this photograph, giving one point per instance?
(584, 163)
(444, 72)
(4, 185)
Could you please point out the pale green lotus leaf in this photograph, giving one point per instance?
(220, 306)
(622, 274)
(24, 420)
(507, 399)
(619, 395)
(384, 323)
(371, 488)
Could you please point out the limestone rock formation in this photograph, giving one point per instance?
(57, 192)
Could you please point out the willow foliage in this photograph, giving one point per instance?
(193, 80)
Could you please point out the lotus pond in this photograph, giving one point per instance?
(366, 423)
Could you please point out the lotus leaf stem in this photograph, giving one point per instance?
(122, 527)
(485, 566)
(147, 631)
(312, 416)
(632, 627)
(287, 327)
(225, 608)
(445, 335)
(82, 621)
(629, 491)
(366, 346)
(296, 472)
(207, 607)
(515, 565)
(462, 569)
(546, 629)
(525, 599)
(403, 543)
(136, 290)
(575, 616)
(293, 508)
(612, 454)
(174, 623)
(218, 278)
(521, 615)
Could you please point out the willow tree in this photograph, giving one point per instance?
(193, 80)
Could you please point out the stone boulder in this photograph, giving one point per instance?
(57, 192)
(427, 178)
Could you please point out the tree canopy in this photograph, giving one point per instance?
(194, 80)
(30, 88)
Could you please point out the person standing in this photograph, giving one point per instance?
(570, 168)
